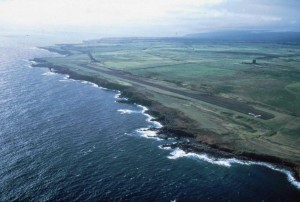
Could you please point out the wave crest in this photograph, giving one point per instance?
(178, 153)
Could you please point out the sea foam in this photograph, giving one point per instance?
(28, 63)
(127, 111)
(90, 83)
(149, 117)
(66, 78)
(117, 96)
(178, 153)
(48, 73)
(149, 134)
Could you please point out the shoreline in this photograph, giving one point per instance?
(187, 142)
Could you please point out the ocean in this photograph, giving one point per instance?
(67, 140)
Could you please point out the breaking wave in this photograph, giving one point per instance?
(117, 96)
(148, 133)
(149, 117)
(178, 153)
(127, 111)
(48, 73)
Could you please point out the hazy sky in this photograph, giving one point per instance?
(148, 17)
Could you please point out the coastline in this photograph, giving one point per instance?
(186, 141)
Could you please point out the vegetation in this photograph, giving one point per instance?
(211, 90)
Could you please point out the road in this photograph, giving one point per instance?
(211, 99)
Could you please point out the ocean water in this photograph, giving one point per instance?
(66, 140)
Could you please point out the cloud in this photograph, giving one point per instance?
(91, 12)
(147, 17)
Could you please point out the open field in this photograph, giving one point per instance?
(211, 90)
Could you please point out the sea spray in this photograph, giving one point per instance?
(179, 153)
(90, 83)
(127, 111)
(48, 73)
(149, 133)
(150, 118)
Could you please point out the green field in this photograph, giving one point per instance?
(171, 71)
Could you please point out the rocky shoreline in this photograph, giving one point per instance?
(186, 140)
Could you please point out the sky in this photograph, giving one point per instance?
(148, 17)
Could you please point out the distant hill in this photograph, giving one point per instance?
(248, 36)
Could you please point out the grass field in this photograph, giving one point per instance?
(178, 68)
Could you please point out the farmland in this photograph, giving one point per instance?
(211, 90)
